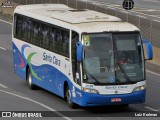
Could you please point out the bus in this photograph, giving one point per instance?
(86, 57)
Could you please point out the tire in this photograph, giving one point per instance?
(29, 80)
(125, 105)
(68, 98)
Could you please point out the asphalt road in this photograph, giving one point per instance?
(148, 8)
(16, 96)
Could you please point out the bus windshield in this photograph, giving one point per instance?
(113, 58)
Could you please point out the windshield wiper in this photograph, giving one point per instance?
(124, 73)
(90, 75)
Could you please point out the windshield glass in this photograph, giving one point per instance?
(112, 58)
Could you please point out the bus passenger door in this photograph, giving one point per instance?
(76, 70)
(75, 64)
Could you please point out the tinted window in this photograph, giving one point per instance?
(29, 28)
(35, 33)
(42, 34)
(59, 41)
(52, 38)
(24, 28)
(75, 64)
(66, 43)
(19, 26)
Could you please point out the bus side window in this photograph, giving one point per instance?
(45, 37)
(19, 26)
(43, 34)
(58, 41)
(66, 43)
(35, 33)
(24, 28)
(52, 39)
(15, 22)
(29, 23)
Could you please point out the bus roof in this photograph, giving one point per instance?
(88, 20)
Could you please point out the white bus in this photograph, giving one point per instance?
(86, 57)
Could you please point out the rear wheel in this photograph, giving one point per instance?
(29, 80)
(68, 98)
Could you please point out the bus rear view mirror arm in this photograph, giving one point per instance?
(79, 51)
(149, 50)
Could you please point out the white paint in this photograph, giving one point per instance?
(6, 6)
(142, 16)
(152, 109)
(156, 20)
(1, 85)
(3, 48)
(153, 72)
(33, 101)
(153, 1)
(145, 14)
(5, 21)
(148, 10)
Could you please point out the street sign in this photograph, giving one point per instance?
(128, 4)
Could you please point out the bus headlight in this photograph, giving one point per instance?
(139, 88)
(89, 90)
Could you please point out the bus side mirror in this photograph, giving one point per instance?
(79, 51)
(149, 50)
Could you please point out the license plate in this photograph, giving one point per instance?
(116, 100)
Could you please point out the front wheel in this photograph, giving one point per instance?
(29, 80)
(125, 105)
(68, 98)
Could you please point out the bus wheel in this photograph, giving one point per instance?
(125, 105)
(29, 80)
(68, 97)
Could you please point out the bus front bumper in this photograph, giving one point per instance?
(89, 99)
